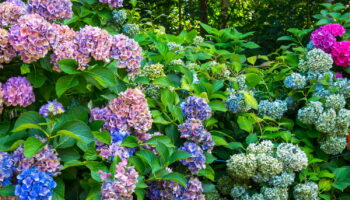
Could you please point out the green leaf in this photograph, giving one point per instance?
(218, 106)
(252, 79)
(250, 100)
(252, 59)
(102, 136)
(140, 192)
(160, 138)
(245, 124)
(252, 138)
(94, 167)
(64, 83)
(178, 155)
(32, 146)
(176, 177)
(28, 126)
(25, 69)
(80, 129)
(208, 172)
(342, 176)
(7, 191)
(163, 151)
(37, 78)
(219, 141)
(68, 133)
(150, 159)
(69, 66)
(130, 141)
(102, 76)
(234, 145)
(164, 82)
(30, 117)
(59, 191)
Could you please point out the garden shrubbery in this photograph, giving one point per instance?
(96, 105)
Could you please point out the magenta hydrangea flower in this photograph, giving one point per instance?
(7, 53)
(51, 109)
(127, 52)
(113, 3)
(338, 75)
(10, 12)
(46, 160)
(94, 41)
(30, 37)
(336, 30)
(197, 108)
(18, 92)
(322, 39)
(123, 184)
(193, 130)
(341, 53)
(131, 106)
(195, 162)
(51, 9)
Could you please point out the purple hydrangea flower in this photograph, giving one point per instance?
(61, 34)
(30, 37)
(51, 109)
(110, 151)
(51, 9)
(113, 3)
(322, 39)
(7, 52)
(46, 160)
(111, 120)
(197, 161)
(193, 130)
(6, 168)
(10, 12)
(1, 98)
(194, 190)
(34, 184)
(197, 108)
(127, 52)
(123, 185)
(18, 92)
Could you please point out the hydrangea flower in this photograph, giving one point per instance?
(242, 166)
(326, 121)
(197, 108)
(275, 193)
(292, 157)
(61, 34)
(51, 10)
(194, 190)
(335, 101)
(131, 107)
(237, 191)
(268, 167)
(236, 102)
(18, 92)
(7, 52)
(215, 195)
(333, 145)
(152, 91)
(195, 162)
(174, 46)
(198, 40)
(177, 62)
(131, 30)
(336, 30)
(343, 87)
(123, 184)
(264, 147)
(224, 184)
(34, 184)
(295, 81)
(10, 13)
(323, 40)
(274, 109)
(340, 53)
(127, 52)
(153, 71)
(283, 180)
(193, 130)
(1, 98)
(306, 191)
(52, 108)
(110, 151)
(310, 113)
(113, 3)
(318, 60)
(111, 121)
(119, 16)
(46, 160)
(30, 37)
(6, 168)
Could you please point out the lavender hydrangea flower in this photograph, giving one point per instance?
(197, 161)
(194, 190)
(7, 52)
(34, 184)
(46, 160)
(193, 130)
(110, 151)
(127, 52)
(61, 34)
(10, 13)
(30, 37)
(113, 3)
(52, 108)
(1, 98)
(123, 185)
(51, 9)
(197, 108)
(18, 92)
(6, 168)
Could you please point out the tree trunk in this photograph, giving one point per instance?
(224, 13)
(203, 6)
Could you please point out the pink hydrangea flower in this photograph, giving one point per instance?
(18, 92)
(322, 39)
(7, 53)
(10, 13)
(51, 9)
(341, 53)
(336, 30)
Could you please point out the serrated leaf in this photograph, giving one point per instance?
(64, 83)
(32, 146)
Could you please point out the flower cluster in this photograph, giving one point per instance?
(131, 29)
(306, 191)
(51, 10)
(123, 184)
(34, 184)
(316, 60)
(292, 157)
(333, 144)
(51, 109)
(153, 71)
(18, 92)
(113, 3)
(340, 53)
(295, 81)
(177, 48)
(193, 130)
(10, 13)
(119, 16)
(195, 162)
(110, 151)
(30, 37)
(7, 52)
(6, 168)
(198, 40)
(46, 160)
(274, 193)
(283, 180)
(274, 109)
(197, 108)
(325, 37)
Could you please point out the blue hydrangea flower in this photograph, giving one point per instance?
(295, 81)
(131, 30)
(6, 168)
(119, 16)
(274, 109)
(236, 102)
(34, 185)
(118, 136)
(52, 108)
(197, 108)
(197, 161)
